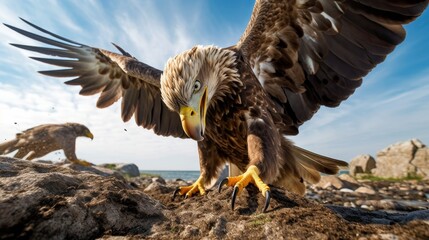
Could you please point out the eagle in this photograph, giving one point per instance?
(40, 140)
(241, 102)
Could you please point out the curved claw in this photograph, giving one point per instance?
(267, 200)
(234, 195)
(223, 182)
(175, 193)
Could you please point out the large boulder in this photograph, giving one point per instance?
(400, 160)
(361, 164)
(421, 162)
(126, 169)
(337, 182)
(330, 181)
(44, 201)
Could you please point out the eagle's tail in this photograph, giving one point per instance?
(8, 146)
(310, 164)
(301, 165)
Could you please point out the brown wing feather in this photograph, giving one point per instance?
(308, 53)
(113, 76)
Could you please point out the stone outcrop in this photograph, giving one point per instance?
(361, 164)
(42, 201)
(337, 182)
(404, 159)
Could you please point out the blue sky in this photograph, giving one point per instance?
(392, 104)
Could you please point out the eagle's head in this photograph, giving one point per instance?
(81, 130)
(192, 80)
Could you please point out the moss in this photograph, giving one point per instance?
(375, 178)
(259, 220)
(111, 166)
(148, 175)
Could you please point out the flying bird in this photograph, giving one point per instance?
(40, 140)
(240, 102)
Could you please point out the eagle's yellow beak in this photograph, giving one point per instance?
(89, 135)
(194, 116)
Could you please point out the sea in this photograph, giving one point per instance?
(172, 175)
(186, 175)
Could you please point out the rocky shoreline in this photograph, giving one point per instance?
(45, 201)
(405, 195)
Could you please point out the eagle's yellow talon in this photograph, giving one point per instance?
(82, 163)
(239, 182)
(188, 191)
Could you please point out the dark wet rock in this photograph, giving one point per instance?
(417, 215)
(392, 204)
(366, 216)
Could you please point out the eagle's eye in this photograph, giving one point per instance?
(197, 86)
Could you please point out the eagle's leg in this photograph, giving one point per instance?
(70, 153)
(188, 191)
(239, 182)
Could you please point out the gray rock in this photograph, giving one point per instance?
(219, 229)
(349, 181)
(158, 180)
(421, 162)
(403, 159)
(348, 178)
(158, 187)
(416, 215)
(330, 181)
(130, 169)
(398, 205)
(189, 232)
(43, 161)
(93, 169)
(126, 169)
(361, 164)
(43, 201)
(365, 190)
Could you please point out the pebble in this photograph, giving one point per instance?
(376, 195)
(347, 190)
(365, 190)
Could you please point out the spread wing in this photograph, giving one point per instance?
(308, 53)
(112, 75)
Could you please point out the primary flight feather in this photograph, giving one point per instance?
(240, 102)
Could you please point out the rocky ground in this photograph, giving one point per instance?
(44, 201)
